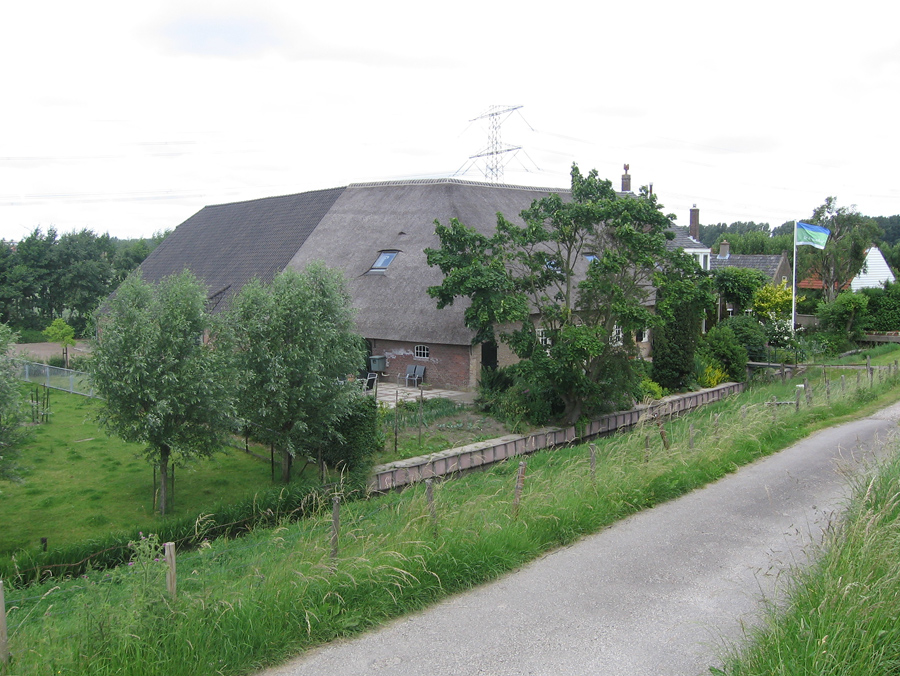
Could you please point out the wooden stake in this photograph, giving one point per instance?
(335, 524)
(662, 433)
(774, 409)
(797, 400)
(827, 391)
(171, 579)
(691, 436)
(843, 384)
(647, 448)
(429, 497)
(593, 463)
(4, 636)
(520, 484)
(808, 391)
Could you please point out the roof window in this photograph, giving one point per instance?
(383, 261)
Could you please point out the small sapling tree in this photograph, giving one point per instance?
(60, 332)
(160, 382)
(10, 407)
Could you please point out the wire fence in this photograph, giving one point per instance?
(67, 380)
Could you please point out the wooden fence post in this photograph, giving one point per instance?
(662, 433)
(827, 391)
(797, 400)
(808, 391)
(171, 579)
(335, 524)
(843, 384)
(520, 484)
(4, 636)
(691, 436)
(593, 463)
(432, 510)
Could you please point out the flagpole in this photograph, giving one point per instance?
(794, 287)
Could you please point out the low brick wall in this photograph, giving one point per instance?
(463, 458)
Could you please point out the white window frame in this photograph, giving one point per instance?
(615, 338)
(422, 352)
(384, 260)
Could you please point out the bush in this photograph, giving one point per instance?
(847, 314)
(750, 333)
(57, 361)
(721, 347)
(884, 308)
(361, 438)
(651, 390)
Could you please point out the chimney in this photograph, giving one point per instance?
(724, 249)
(694, 230)
(626, 181)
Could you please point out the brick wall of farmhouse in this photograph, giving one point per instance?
(447, 366)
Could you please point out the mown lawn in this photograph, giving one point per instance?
(79, 483)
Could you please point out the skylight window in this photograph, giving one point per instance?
(383, 261)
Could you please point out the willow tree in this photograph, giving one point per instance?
(161, 383)
(296, 345)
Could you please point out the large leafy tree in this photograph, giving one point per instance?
(295, 345)
(161, 383)
(567, 290)
(844, 254)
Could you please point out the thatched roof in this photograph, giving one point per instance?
(229, 244)
(373, 217)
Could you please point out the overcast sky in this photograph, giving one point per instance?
(127, 117)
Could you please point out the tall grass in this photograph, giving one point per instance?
(842, 615)
(252, 601)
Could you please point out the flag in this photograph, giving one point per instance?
(814, 235)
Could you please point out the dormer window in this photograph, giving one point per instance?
(383, 261)
(590, 257)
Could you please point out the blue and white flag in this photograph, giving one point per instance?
(814, 235)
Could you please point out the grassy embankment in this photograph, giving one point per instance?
(253, 601)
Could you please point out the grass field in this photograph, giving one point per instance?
(79, 483)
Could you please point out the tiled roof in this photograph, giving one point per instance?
(763, 262)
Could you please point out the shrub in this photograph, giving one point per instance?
(749, 333)
(360, 438)
(721, 346)
(651, 390)
(57, 361)
(847, 314)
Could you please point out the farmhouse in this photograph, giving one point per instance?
(376, 234)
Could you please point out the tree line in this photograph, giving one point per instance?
(46, 276)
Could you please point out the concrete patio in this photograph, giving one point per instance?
(389, 393)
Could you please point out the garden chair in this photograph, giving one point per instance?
(415, 374)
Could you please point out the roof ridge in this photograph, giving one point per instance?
(455, 181)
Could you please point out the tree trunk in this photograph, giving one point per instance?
(285, 466)
(164, 453)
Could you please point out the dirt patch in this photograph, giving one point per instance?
(43, 351)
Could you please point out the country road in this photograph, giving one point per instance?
(653, 595)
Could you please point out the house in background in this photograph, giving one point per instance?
(875, 272)
(776, 268)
